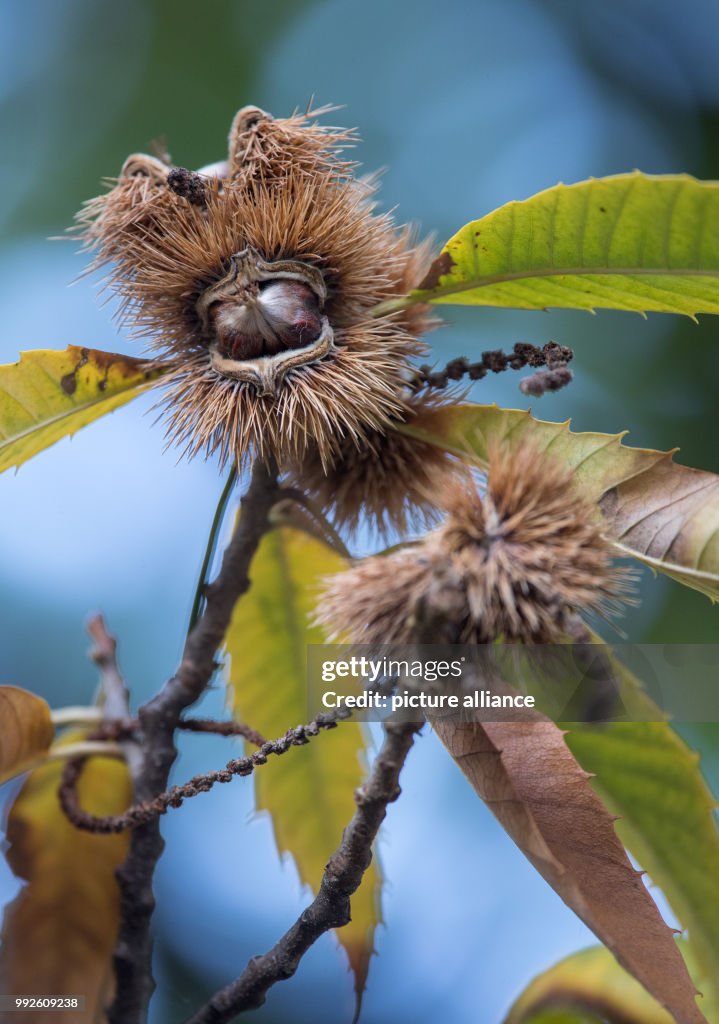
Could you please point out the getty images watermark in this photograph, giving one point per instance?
(511, 682)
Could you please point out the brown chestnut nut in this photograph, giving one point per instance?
(267, 318)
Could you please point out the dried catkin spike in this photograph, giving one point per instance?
(524, 559)
(255, 280)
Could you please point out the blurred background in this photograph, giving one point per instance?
(467, 104)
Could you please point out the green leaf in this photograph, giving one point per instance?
(647, 775)
(49, 395)
(26, 730)
(310, 791)
(664, 514)
(588, 986)
(630, 242)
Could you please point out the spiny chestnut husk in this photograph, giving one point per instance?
(254, 280)
(524, 561)
(390, 480)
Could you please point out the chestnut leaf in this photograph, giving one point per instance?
(59, 932)
(590, 982)
(635, 242)
(26, 730)
(655, 510)
(51, 394)
(528, 778)
(309, 793)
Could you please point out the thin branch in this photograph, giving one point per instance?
(158, 721)
(223, 729)
(331, 906)
(126, 729)
(140, 813)
(122, 728)
(116, 704)
(104, 654)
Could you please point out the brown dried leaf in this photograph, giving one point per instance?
(59, 932)
(532, 784)
(668, 517)
(26, 730)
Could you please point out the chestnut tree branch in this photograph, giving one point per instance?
(158, 721)
(117, 702)
(210, 725)
(331, 906)
(104, 654)
(140, 813)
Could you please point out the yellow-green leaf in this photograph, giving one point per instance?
(645, 773)
(310, 791)
(26, 730)
(59, 933)
(50, 394)
(589, 982)
(632, 242)
(664, 514)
